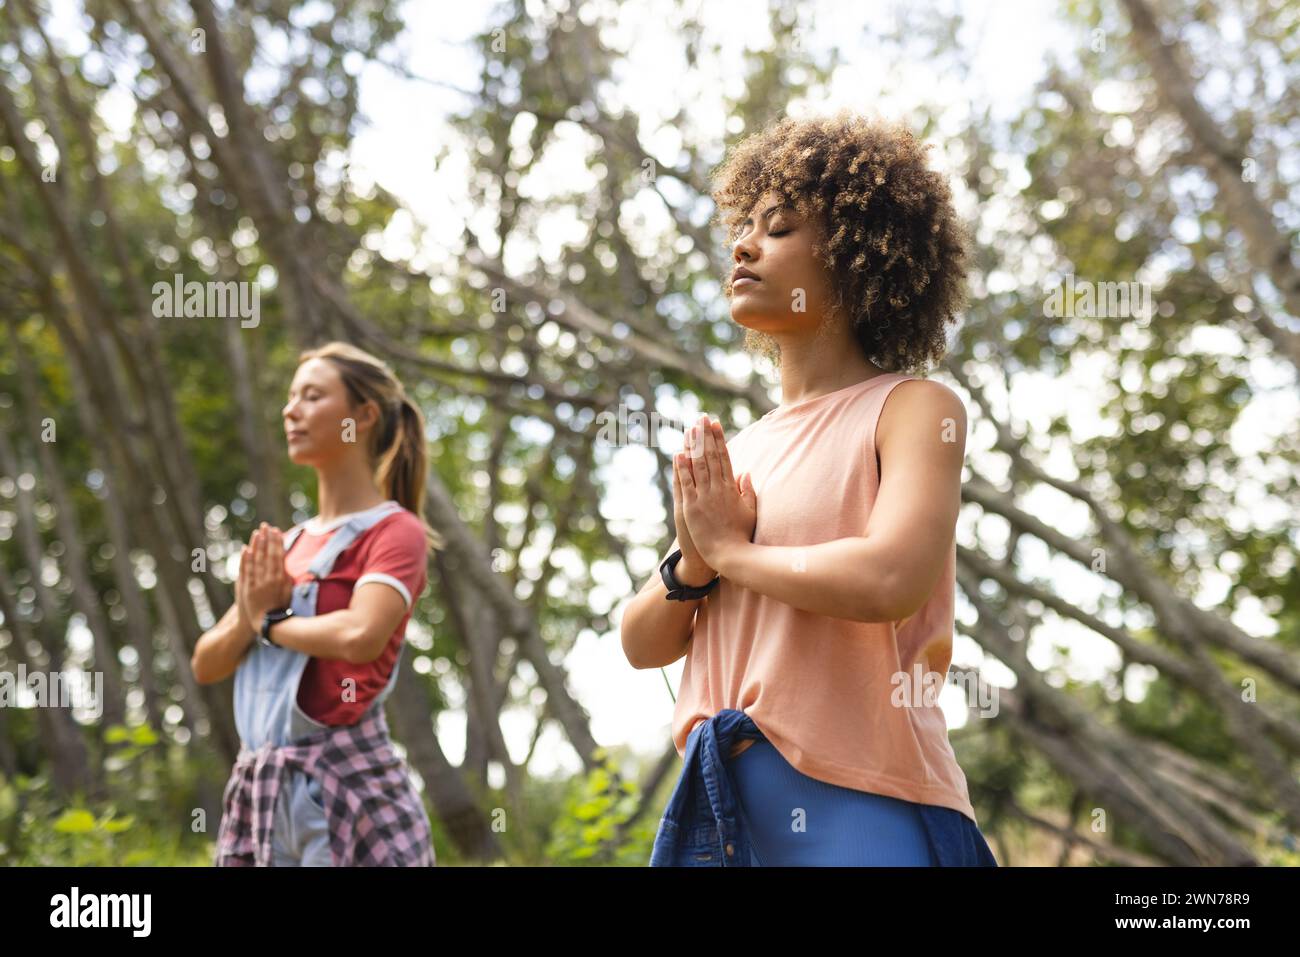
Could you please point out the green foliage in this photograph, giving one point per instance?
(593, 828)
(143, 819)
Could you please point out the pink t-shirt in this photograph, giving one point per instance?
(820, 688)
(392, 551)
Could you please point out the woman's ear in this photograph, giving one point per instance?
(368, 414)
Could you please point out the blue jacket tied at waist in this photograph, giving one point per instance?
(703, 825)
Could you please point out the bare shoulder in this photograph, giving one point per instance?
(922, 407)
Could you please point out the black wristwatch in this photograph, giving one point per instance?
(676, 590)
(279, 614)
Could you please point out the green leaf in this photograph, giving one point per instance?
(75, 822)
(144, 736)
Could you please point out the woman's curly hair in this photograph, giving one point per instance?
(889, 236)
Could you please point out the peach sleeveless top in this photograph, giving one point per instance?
(826, 691)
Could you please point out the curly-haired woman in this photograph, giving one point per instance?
(823, 534)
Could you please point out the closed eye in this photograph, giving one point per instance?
(736, 237)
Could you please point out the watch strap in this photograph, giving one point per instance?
(676, 590)
(269, 619)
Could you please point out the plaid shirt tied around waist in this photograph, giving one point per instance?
(375, 816)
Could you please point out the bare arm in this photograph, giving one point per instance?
(357, 634)
(656, 631)
(220, 649)
(887, 574)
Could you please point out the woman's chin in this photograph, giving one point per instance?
(742, 314)
(757, 320)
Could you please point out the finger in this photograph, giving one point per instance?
(281, 557)
(747, 491)
(276, 558)
(724, 457)
(259, 556)
(694, 443)
(677, 482)
(686, 475)
(713, 451)
(708, 459)
(281, 572)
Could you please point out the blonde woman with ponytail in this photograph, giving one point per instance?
(315, 635)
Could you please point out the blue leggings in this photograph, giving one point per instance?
(797, 821)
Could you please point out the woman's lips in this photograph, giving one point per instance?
(744, 282)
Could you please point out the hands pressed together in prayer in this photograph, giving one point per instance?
(263, 584)
(714, 511)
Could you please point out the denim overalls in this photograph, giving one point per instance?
(704, 824)
(267, 710)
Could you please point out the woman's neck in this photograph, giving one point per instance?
(813, 365)
(345, 487)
